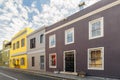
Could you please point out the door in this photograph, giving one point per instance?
(42, 62)
(69, 61)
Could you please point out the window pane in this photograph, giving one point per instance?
(22, 61)
(22, 42)
(32, 43)
(93, 33)
(96, 30)
(52, 40)
(69, 37)
(14, 61)
(53, 63)
(33, 61)
(53, 60)
(95, 59)
(14, 46)
(17, 44)
(42, 62)
(41, 38)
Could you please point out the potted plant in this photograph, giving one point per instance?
(57, 71)
(82, 74)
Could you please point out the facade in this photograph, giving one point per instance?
(86, 41)
(5, 53)
(0, 57)
(36, 50)
(18, 56)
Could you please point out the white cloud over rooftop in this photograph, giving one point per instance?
(14, 15)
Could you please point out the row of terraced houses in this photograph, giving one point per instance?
(88, 41)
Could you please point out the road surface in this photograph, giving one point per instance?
(6, 74)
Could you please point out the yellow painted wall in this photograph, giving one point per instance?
(18, 37)
(19, 57)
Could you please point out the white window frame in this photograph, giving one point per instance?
(68, 30)
(102, 55)
(102, 28)
(50, 41)
(50, 66)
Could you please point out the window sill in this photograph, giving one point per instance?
(52, 67)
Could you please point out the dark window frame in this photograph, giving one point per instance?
(22, 61)
(33, 61)
(13, 46)
(23, 42)
(41, 38)
(17, 44)
(32, 43)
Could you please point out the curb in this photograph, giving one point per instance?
(58, 76)
(51, 75)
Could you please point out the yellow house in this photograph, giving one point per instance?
(18, 52)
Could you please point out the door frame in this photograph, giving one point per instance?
(74, 52)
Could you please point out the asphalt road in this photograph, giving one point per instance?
(6, 74)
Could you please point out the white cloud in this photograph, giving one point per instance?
(1, 1)
(11, 19)
(57, 10)
(34, 4)
(14, 16)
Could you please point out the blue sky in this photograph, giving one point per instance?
(18, 14)
(38, 3)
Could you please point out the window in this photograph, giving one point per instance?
(52, 41)
(22, 61)
(32, 43)
(14, 61)
(96, 58)
(17, 62)
(52, 60)
(41, 38)
(7, 54)
(13, 46)
(8, 51)
(42, 62)
(33, 61)
(23, 42)
(96, 28)
(17, 44)
(69, 36)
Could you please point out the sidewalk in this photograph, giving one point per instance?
(62, 76)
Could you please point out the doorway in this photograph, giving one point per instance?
(42, 62)
(69, 62)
